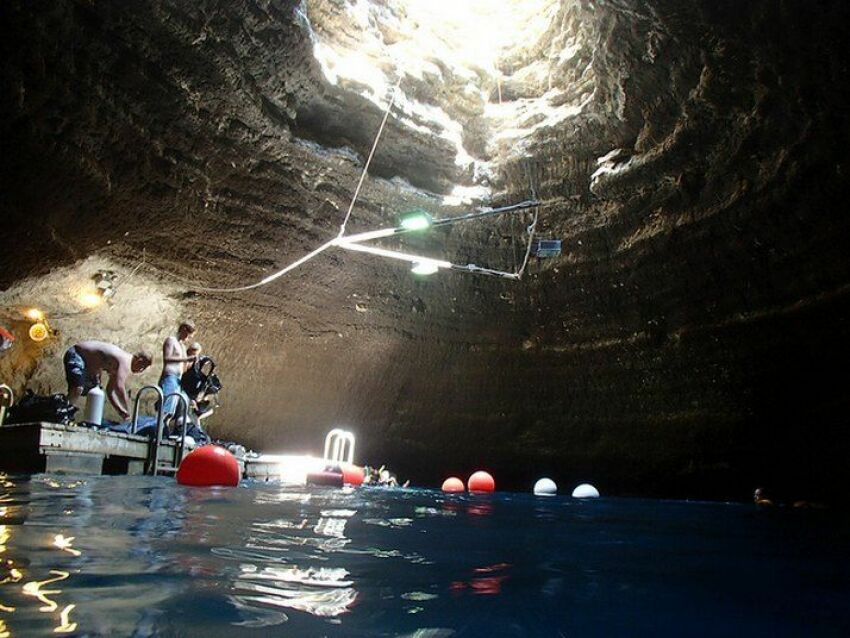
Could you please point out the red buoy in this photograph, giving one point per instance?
(207, 466)
(452, 485)
(352, 474)
(481, 481)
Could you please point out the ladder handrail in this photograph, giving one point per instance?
(153, 449)
(178, 456)
(135, 422)
(338, 438)
(6, 392)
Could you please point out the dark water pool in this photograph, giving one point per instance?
(124, 556)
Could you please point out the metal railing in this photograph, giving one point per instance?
(153, 449)
(178, 452)
(336, 448)
(6, 394)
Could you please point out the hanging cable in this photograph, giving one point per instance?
(532, 184)
(369, 159)
(333, 241)
(272, 277)
(530, 241)
(341, 241)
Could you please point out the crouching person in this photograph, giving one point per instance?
(86, 361)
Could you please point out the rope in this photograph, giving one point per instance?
(124, 280)
(532, 183)
(530, 238)
(326, 245)
(472, 268)
(369, 159)
(272, 277)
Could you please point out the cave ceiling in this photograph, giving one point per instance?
(691, 156)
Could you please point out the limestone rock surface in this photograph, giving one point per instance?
(691, 156)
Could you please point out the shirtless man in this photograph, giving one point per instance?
(84, 363)
(174, 358)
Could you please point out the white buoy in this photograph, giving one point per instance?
(545, 487)
(585, 490)
(94, 406)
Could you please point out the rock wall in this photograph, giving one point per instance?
(690, 155)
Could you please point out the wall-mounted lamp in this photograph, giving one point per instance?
(34, 314)
(40, 329)
(102, 290)
(89, 299)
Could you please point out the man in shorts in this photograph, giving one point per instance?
(174, 360)
(84, 362)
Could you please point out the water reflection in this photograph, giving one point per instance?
(267, 577)
(34, 589)
(65, 544)
(320, 592)
(485, 581)
(47, 542)
(65, 624)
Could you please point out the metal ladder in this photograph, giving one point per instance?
(335, 446)
(152, 465)
(8, 400)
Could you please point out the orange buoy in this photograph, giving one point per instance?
(481, 481)
(452, 485)
(207, 466)
(352, 474)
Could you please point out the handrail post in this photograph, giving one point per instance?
(7, 394)
(351, 448)
(181, 398)
(153, 449)
(135, 422)
(337, 443)
(330, 436)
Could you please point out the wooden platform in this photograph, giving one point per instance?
(52, 447)
(30, 448)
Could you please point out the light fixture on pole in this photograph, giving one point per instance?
(424, 268)
(420, 220)
(415, 220)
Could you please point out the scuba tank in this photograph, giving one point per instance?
(94, 406)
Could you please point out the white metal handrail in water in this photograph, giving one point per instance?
(6, 394)
(336, 448)
(153, 450)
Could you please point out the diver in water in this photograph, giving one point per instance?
(761, 499)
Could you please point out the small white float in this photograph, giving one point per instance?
(585, 490)
(545, 487)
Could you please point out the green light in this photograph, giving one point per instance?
(415, 220)
(424, 268)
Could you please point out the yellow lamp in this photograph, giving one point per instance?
(38, 331)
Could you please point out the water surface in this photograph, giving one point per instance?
(141, 556)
